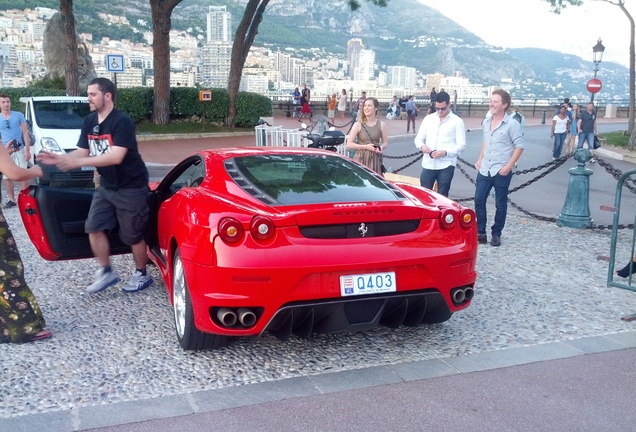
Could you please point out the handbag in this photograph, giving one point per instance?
(597, 143)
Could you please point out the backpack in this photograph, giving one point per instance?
(517, 117)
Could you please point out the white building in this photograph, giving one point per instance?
(219, 24)
(254, 83)
(401, 76)
(366, 66)
(216, 59)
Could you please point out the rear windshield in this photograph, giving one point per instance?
(62, 114)
(308, 179)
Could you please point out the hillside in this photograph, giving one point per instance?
(404, 33)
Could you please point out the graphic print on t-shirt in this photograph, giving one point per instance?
(99, 144)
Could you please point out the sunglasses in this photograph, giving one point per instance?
(8, 124)
(96, 129)
(442, 108)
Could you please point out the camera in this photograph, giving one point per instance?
(16, 145)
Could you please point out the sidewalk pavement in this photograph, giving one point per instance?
(171, 149)
(579, 385)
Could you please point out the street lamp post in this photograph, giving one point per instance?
(597, 56)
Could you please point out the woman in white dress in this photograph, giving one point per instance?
(342, 104)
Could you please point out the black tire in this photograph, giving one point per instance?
(189, 337)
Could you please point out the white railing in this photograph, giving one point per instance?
(276, 136)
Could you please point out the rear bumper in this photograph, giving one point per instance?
(305, 300)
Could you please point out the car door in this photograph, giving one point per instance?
(54, 220)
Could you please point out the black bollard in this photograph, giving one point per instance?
(543, 118)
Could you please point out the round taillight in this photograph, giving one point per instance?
(467, 218)
(262, 228)
(448, 219)
(230, 230)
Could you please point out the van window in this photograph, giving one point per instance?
(60, 114)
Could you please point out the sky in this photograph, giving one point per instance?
(531, 24)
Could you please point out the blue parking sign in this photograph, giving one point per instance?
(115, 62)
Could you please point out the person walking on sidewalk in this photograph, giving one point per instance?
(411, 112)
(501, 148)
(15, 138)
(107, 142)
(445, 137)
(560, 127)
(587, 129)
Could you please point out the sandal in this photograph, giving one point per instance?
(42, 334)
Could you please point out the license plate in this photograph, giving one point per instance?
(87, 168)
(370, 283)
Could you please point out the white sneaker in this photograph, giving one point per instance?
(137, 282)
(103, 280)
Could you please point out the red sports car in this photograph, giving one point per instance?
(284, 240)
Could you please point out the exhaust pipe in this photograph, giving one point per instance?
(458, 295)
(246, 317)
(226, 316)
(469, 293)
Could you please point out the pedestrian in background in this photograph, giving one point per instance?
(501, 147)
(587, 129)
(433, 96)
(107, 142)
(342, 104)
(559, 132)
(573, 135)
(441, 137)
(296, 102)
(371, 136)
(331, 107)
(359, 105)
(411, 112)
(21, 319)
(15, 138)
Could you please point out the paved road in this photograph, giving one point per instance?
(545, 197)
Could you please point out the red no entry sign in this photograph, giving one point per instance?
(594, 85)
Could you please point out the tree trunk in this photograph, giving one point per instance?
(632, 76)
(243, 40)
(161, 25)
(70, 37)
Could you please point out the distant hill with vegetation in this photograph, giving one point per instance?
(404, 33)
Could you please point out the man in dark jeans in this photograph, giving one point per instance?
(501, 148)
(445, 137)
(587, 129)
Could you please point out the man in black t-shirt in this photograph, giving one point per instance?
(108, 143)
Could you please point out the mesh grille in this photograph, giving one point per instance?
(374, 229)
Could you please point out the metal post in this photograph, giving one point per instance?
(576, 209)
(543, 118)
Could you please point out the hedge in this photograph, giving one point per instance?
(184, 103)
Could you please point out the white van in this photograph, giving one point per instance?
(55, 123)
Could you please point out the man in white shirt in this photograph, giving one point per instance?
(442, 137)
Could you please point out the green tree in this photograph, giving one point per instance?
(243, 40)
(161, 25)
(559, 5)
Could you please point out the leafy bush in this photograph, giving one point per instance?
(137, 102)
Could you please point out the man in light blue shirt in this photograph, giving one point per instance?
(501, 148)
(445, 137)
